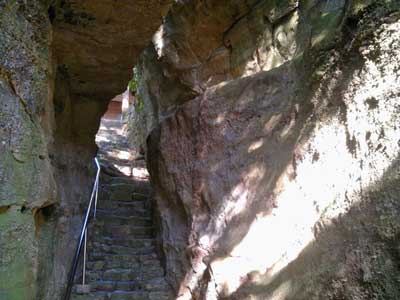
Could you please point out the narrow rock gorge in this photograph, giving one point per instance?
(61, 62)
(269, 128)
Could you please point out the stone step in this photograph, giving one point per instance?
(124, 212)
(135, 243)
(140, 274)
(122, 180)
(116, 249)
(124, 295)
(123, 231)
(156, 284)
(122, 194)
(132, 262)
(161, 285)
(138, 206)
(109, 204)
(137, 196)
(122, 259)
(122, 186)
(105, 215)
(91, 296)
(105, 221)
(107, 264)
(126, 196)
(115, 285)
(116, 214)
(131, 198)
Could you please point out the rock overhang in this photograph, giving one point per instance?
(98, 42)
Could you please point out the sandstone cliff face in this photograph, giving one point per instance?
(60, 62)
(273, 143)
(272, 136)
(26, 179)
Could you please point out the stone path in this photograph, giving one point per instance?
(115, 153)
(122, 260)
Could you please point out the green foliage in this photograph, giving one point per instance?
(133, 86)
(134, 82)
(139, 104)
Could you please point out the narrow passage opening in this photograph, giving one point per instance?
(122, 255)
(116, 152)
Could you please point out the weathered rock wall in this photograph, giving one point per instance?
(73, 149)
(45, 158)
(273, 146)
(27, 181)
(60, 62)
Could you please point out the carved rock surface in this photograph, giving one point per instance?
(98, 42)
(277, 181)
(60, 62)
(26, 180)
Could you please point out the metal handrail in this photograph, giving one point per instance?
(83, 235)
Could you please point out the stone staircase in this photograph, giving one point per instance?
(122, 260)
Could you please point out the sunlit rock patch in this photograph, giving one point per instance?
(269, 165)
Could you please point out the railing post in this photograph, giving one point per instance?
(97, 188)
(95, 201)
(84, 259)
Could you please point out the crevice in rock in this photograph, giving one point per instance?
(23, 209)
(4, 208)
(43, 215)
